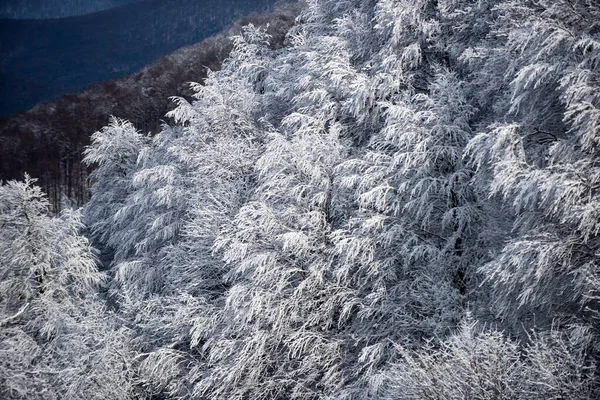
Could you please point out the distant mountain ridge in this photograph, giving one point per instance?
(42, 9)
(47, 140)
(43, 59)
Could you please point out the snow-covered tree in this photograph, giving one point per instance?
(542, 164)
(114, 152)
(262, 342)
(479, 363)
(54, 340)
(277, 336)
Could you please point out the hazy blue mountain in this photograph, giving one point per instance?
(42, 59)
(40, 9)
(47, 140)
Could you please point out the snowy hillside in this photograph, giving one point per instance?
(401, 203)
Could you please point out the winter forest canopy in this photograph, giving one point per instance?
(403, 202)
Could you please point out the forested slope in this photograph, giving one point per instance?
(47, 141)
(44, 59)
(401, 203)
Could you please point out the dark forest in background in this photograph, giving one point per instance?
(47, 141)
(43, 59)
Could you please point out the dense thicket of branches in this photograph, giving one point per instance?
(401, 202)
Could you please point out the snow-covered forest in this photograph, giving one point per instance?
(403, 202)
